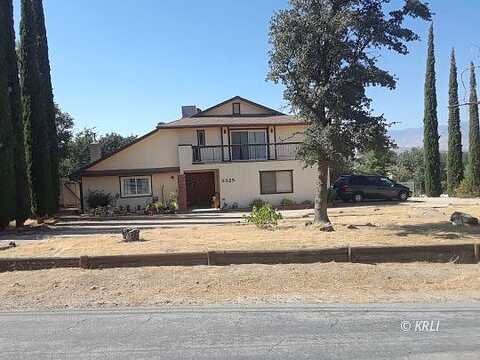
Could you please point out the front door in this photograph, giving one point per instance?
(200, 189)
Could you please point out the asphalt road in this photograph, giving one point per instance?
(246, 332)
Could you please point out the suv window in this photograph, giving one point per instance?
(382, 181)
(359, 180)
(340, 182)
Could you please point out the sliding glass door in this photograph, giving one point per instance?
(249, 144)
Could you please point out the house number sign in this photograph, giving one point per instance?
(228, 180)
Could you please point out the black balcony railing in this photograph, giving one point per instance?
(245, 152)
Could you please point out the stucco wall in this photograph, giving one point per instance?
(111, 184)
(155, 151)
(189, 136)
(289, 133)
(239, 182)
(246, 184)
(245, 108)
(160, 149)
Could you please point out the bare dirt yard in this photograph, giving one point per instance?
(412, 223)
(240, 284)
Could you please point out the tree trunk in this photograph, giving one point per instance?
(321, 198)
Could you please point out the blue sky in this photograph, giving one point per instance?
(125, 65)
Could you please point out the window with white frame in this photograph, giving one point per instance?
(136, 186)
(276, 182)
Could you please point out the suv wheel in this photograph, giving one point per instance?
(358, 198)
(403, 196)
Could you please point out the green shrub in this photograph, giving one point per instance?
(307, 202)
(257, 203)
(287, 202)
(172, 203)
(159, 207)
(98, 198)
(264, 217)
(466, 189)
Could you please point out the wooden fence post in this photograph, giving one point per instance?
(83, 262)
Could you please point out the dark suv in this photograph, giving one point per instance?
(359, 187)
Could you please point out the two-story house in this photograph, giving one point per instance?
(237, 150)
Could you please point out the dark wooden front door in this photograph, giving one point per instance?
(200, 189)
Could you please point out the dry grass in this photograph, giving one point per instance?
(312, 283)
(402, 224)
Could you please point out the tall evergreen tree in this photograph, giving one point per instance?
(454, 155)
(7, 138)
(473, 171)
(48, 106)
(21, 179)
(430, 126)
(36, 134)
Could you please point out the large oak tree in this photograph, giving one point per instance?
(325, 54)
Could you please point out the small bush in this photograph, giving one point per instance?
(264, 217)
(98, 198)
(257, 203)
(466, 189)
(307, 202)
(172, 204)
(287, 202)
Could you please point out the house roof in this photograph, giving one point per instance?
(202, 119)
(212, 121)
(268, 111)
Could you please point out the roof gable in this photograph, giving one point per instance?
(247, 108)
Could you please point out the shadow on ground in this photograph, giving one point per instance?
(439, 230)
(71, 231)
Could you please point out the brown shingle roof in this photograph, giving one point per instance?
(212, 121)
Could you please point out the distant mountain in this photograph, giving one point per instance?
(413, 137)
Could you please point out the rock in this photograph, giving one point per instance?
(308, 223)
(326, 227)
(93, 288)
(459, 218)
(131, 234)
(353, 227)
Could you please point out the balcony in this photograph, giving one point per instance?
(244, 152)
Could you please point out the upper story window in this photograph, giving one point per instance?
(201, 137)
(136, 186)
(236, 108)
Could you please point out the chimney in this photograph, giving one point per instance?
(189, 110)
(95, 151)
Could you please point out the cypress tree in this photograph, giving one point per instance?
(21, 179)
(430, 126)
(454, 155)
(474, 135)
(7, 138)
(46, 92)
(36, 134)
